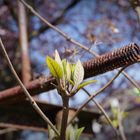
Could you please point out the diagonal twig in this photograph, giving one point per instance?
(58, 19)
(31, 100)
(103, 112)
(95, 94)
(55, 28)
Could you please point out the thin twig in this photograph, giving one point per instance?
(103, 112)
(56, 21)
(121, 130)
(134, 83)
(33, 103)
(22, 127)
(55, 28)
(95, 94)
(72, 40)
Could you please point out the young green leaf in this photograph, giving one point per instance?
(68, 71)
(136, 92)
(78, 133)
(64, 62)
(58, 59)
(78, 75)
(72, 67)
(70, 133)
(85, 84)
(71, 82)
(115, 123)
(54, 67)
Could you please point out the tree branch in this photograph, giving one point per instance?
(72, 40)
(103, 112)
(119, 58)
(23, 40)
(27, 94)
(55, 21)
(95, 94)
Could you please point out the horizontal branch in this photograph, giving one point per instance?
(109, 61)
(34, 87)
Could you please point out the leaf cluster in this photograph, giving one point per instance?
(69, 76)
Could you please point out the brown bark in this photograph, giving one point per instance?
(23, 40)
(119, 58)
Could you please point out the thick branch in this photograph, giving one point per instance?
(27, 94)
(23, 40)
(34, 87)
(119, 58)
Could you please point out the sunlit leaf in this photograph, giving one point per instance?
(68, 71)
(136, 92)
(54, 67)
(72, 67)
(70, 133)
(115, 123)
(72, 83)
(78, 133)
(85, 84)
(64, 62)
(58, 59)
(78, 75)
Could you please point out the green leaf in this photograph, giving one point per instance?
(58, 59)
(68, 71)
(78, 133)
(115, 123)
(70, 133)
(78, 75)
(71, 82)
(54, 67)
(72, 67)
(64, 62)
(136, 92)
(85, 84)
